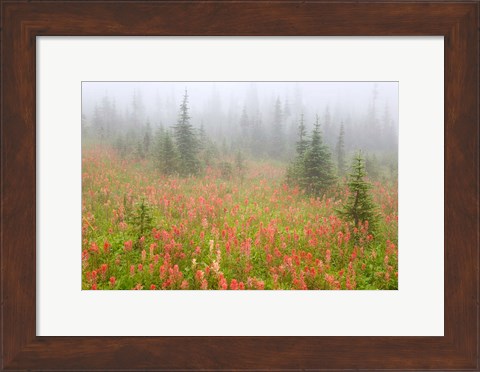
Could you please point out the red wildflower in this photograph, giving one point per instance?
(199, 275)
(94, 247)
(106, 246)
(128, 245)
(184, 284)
(328, 256)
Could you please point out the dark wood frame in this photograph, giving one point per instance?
(22, 21)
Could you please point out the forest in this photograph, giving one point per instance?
(239, 185)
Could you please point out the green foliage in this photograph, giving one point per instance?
(121, 146)
(340, 152)
(312, 169)
(318, 174)
(140, 220)
(112, 248)
(226, 169)
(207, 149)
(139, 151)
(186, 141)
(359, 206)
(239, 161)
(167, 155)
(147, 139)
(302, 143)
(295, 172)
(296, 169)
(202, 138)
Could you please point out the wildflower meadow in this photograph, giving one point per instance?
(253, 232)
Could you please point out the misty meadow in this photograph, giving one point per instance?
(239, 185)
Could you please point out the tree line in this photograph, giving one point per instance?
(265, 130)
(185, 151)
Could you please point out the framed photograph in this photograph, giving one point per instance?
(318, 161)
(249, 188)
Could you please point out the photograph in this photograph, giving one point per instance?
(284, 185)
(218, 185)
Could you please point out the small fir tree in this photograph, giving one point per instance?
(121, 146)
(202, 138)
(186, 141)
(318, 174)
(295, 170)
(147, 139)
(141, 219)
(168, 155)
(302, 143)
(239, 161)
(158, 143)
(359, 206)
(139, 151)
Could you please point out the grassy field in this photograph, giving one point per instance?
(142, 230)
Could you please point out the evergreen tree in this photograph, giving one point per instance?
(318, 174)
(296, 170)
(239, 161)
(302, 143)
(340, 150)
(158, 145)
(140, 220)
(372, 132)
(138, 109)
(158, 140)
(202, 138)
(121, 146)
(168, 157)
(277, 139)
(207, 149)
(244, 125)
(147, 139)
(327, 128)
(139, 151)
(359, 206)
(186, 141)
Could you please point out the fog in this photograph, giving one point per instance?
(367, 110)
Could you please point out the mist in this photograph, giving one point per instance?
(367, 110)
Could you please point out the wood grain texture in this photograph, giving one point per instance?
(23, 21)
